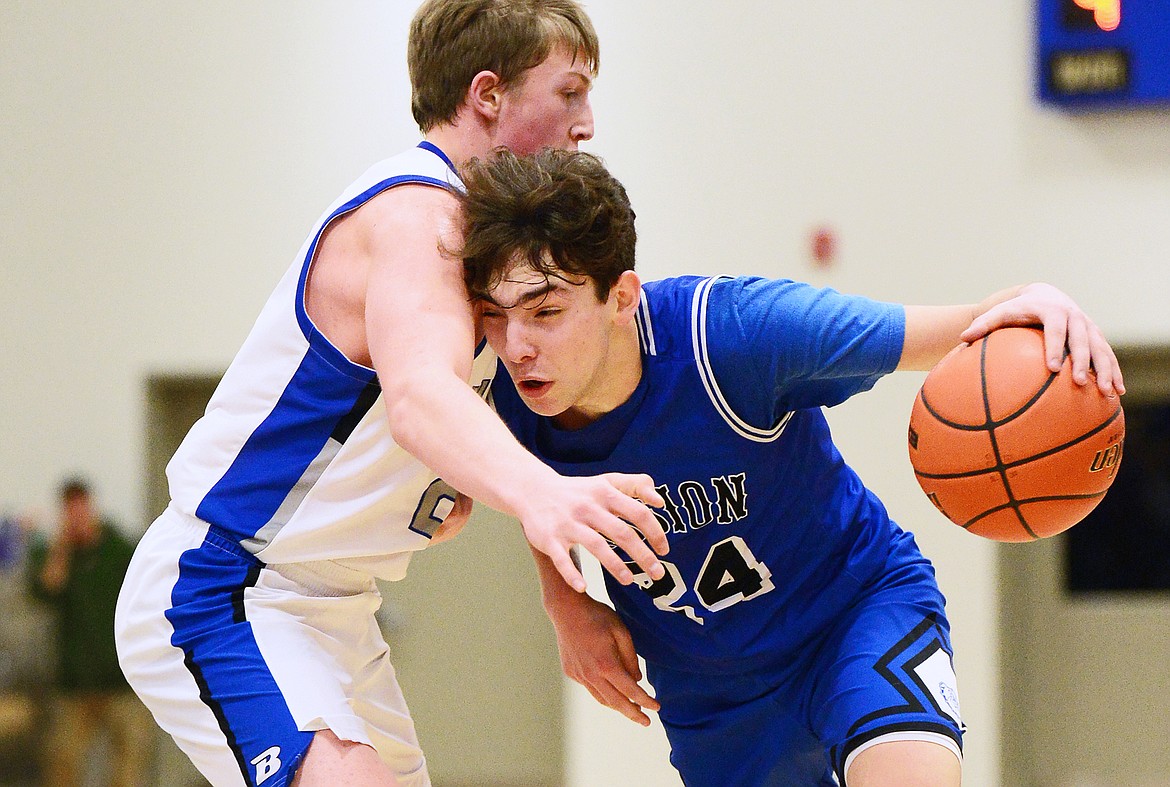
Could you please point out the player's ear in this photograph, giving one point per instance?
(628, 292)
(485, 93)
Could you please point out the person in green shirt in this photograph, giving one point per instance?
(78, 574)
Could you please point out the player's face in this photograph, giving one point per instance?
(547, 106)
(556, 341)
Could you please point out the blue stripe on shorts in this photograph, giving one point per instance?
(220, 651)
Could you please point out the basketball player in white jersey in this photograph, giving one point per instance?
(246, 622)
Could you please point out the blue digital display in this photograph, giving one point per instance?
(1103, 53)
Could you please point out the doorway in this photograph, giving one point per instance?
(1086, 686)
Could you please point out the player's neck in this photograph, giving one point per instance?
(459, 143)
(627, 368)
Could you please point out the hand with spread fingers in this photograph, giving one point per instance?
(1065, 325)
(594, 511)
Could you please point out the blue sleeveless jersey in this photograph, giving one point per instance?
(772, 536)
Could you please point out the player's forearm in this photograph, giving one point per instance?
(441, 421)
(933, 331)
(558, 598)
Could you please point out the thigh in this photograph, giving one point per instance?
(885, 673)
(741, 731)
(905, 763)
(315, 626)
(191, 656)
(332, 761)
(242, 663)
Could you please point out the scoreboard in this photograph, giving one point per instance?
(1103, 53)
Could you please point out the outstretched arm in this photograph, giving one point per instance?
(595, 647)
(932, 331)
(421, 332)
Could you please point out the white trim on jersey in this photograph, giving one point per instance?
(707, 373)
(645, 327)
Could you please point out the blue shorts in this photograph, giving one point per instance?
(882, 672)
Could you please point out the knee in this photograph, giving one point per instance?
(330, 760)
(905, 764)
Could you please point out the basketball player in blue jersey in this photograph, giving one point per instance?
(798, 636)
(335, 443)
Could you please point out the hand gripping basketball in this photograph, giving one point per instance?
(1006, 448)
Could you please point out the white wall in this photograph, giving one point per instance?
(160, 164)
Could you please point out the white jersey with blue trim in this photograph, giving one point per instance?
(293, 458)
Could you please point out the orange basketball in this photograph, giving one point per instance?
(1007, 449)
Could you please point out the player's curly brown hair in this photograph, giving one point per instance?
(560, 211)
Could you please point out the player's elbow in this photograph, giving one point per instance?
(409, 402)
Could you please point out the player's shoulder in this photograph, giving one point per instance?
(416, 177)
(671, 289)
(664, 314)
(424, 163)
(701, 299)
(674, 311)
(724, 287)
(407, 205)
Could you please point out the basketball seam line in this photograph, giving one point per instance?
(1000, 466)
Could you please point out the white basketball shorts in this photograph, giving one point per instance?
(240, 662)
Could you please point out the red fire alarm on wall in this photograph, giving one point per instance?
(823, 246)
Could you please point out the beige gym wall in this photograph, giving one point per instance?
(162, 162)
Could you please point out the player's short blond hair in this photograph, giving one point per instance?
(453, 40)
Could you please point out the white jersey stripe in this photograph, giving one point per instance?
(645, 327)
(703, 362)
